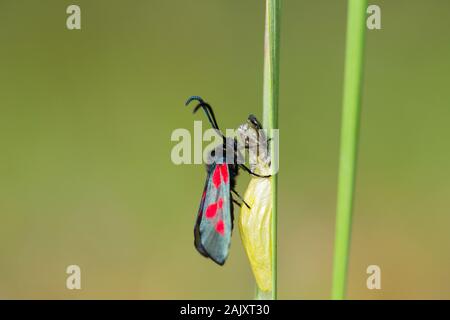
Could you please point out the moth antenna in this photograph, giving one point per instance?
(209, 113)
(207, 109)
(192, 98)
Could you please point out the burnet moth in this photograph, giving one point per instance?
(255, 219)
(214, 224)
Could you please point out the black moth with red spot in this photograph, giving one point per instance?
(215, 217)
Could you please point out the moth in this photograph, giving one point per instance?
(255, 219)
(215, 217)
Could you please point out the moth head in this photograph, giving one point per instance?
(251, 133)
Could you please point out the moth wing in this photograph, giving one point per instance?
(197, 239)
(214, 223)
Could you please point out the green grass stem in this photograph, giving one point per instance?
(270, 112)
(354, 58)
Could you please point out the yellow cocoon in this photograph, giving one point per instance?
(255, 229)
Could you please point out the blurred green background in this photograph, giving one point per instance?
(85, 124)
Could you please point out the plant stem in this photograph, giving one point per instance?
(354, 57)
(270, 110)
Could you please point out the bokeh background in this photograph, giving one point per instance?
(85, 124)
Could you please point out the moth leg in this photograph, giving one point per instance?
(240, 204)
(252, 173)
(239, 196)
(236, 202)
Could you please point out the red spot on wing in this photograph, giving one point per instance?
(224, 171)
(220, 174)
(220, 203)
(220, 227)
(216, 177)
(211, 211)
